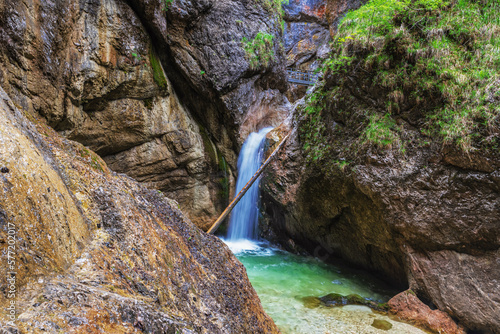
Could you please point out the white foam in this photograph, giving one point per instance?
(241, 245)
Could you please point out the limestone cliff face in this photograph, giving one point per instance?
(202, 45)
(95, 252)
(159, 90)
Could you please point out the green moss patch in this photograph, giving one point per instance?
(260, 50)
(158, 74)
(430, 65)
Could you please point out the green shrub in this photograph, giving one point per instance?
(260, 50)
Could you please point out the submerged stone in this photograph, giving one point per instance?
(355, 299)
(382, 324)
(335, 299)
(311, 302)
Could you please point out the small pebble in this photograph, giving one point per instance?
(4, 170)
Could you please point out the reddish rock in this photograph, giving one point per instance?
(408, 307)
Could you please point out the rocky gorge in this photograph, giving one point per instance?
(121, 124)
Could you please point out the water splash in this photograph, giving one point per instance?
(244, 218)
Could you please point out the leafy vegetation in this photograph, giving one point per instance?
(430, 65)
(313, 127)
(275, 5)
(260, 50)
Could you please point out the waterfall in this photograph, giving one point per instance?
(244, 217)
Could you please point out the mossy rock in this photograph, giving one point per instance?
(158, 74)
(311, 302)
(383, 307)
(382, 324)
(333, 299)
(355, 299)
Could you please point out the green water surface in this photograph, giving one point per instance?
(282, 279)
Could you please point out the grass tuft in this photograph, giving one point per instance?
(260, 50)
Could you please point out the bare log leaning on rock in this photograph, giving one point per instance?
(247, 186)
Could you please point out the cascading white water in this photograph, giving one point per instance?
(244, 217)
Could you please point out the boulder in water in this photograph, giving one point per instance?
(311, 302)
(335, 299)
(408, 307)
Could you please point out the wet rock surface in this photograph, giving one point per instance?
(382, 324)
(337, 300)
(310, 26)
(97, 252)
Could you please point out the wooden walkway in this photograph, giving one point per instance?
(307, 78)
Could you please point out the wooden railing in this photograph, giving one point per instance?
(306, 78)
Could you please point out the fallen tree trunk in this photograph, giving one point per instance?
(247, 186)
